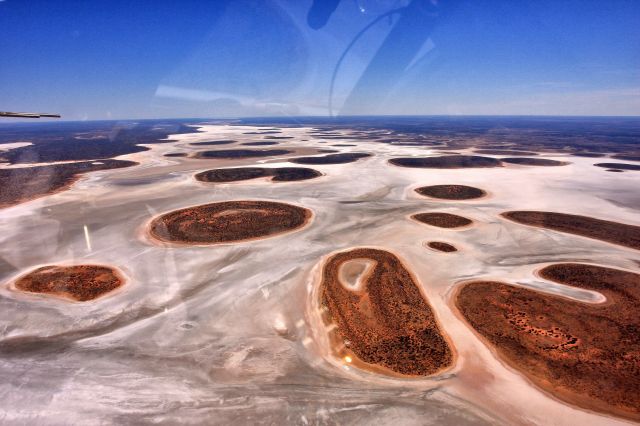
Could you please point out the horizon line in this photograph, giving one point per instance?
(324, 117)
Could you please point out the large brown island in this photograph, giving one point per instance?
(27, 183)
(587, 354)
(228, 221)
(381, 316)
(76, 282)
(604, 230)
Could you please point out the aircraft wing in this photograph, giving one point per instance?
(28, 114)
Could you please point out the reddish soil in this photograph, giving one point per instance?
(604, 230)
(228, 221)
(27, 183)
(447, 162)
(534, 161)
(386, 322)
(451, 192)
(280, 174)
(79, 282)
(586, 354)
(442, 220)
(441, 246)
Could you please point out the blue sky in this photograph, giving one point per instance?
(114, 59)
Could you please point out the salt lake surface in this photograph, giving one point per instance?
(232, 333)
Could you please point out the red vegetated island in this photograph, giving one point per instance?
(279, 174)
(260, 143)
(524, 161)
(626, 157)
(78, 282)
(588, 154)
(619, 166)
(210, 143)
(228, 221)
(442, 220)
(385, 323)
(447, 162)
(27, 183)
(451, 192)
(241, 153)
(604, 230)
(585, 354)
(442, 246)
(504, 152)
(347, 157)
